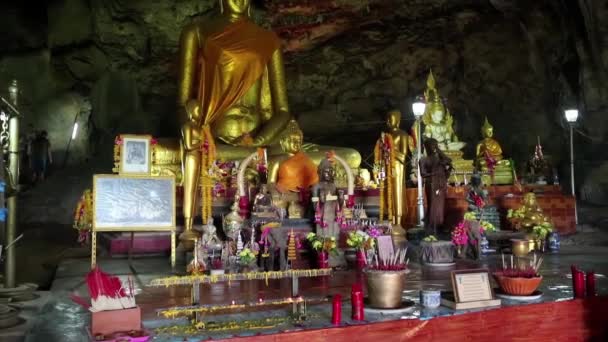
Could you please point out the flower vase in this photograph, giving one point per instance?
(322, 259)
(361, 259)
(553, 242)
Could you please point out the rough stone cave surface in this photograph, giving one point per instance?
(518, 62)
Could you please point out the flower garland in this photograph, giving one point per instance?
(211, 279)
(190, 310)
(194, 329)
(83, 215)
(208, 153)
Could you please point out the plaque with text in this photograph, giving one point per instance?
(472, 285)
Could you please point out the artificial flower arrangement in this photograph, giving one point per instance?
(322, 244)
(515, 217)
(430, 238)
(247, 257)
(459, 234)
(541, 231)
(360, 240)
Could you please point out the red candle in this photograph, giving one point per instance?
(578, 282)
(356, 298)
(336, 313)
(591, 284)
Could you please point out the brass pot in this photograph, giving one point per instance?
(385, 288)
(520, 248)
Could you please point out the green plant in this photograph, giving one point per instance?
(470, 216)
(360, 240)
(247, 256)
(516, 214)
(320, 243)
(541, 231)
(430, 238)
(487, 226)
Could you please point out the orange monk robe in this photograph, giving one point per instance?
(297, 172)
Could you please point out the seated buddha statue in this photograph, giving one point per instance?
(294, 169)
(234, 69)
(490, 148)
(437, 119)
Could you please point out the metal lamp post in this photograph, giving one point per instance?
(571, 117)
(418, 108)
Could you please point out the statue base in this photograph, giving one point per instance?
(462, 168)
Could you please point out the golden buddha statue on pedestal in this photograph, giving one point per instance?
(438, 125)
(489, 150)
(234, 70)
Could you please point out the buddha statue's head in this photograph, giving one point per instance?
(487, 131)
(435, 108)
(193, 110)
(530, 200)
(238, 7)
(393, 119)
(291, 141)
(326, 171)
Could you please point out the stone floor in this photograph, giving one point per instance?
(60, 319)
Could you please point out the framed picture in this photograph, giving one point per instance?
(135, 155)
(472, 285)
(133, 203)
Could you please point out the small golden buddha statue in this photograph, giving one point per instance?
(294, 170)
(533, 214)
(489, 147)
(437, 119)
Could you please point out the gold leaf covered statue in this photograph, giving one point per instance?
(530, 213)
(233, 70)
(437, 119)
(490, 148)
(400, 142)
(438, 125)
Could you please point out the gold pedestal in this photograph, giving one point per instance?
(462, 168)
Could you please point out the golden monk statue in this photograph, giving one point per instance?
(233, 69)
(400, 144)
(489, 150)
(192, 138)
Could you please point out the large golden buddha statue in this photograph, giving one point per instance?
(489, 149)
(233, 70)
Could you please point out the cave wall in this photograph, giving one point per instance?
(520, 63)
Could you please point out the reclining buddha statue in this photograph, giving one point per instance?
(438, 125)
(233, 70)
